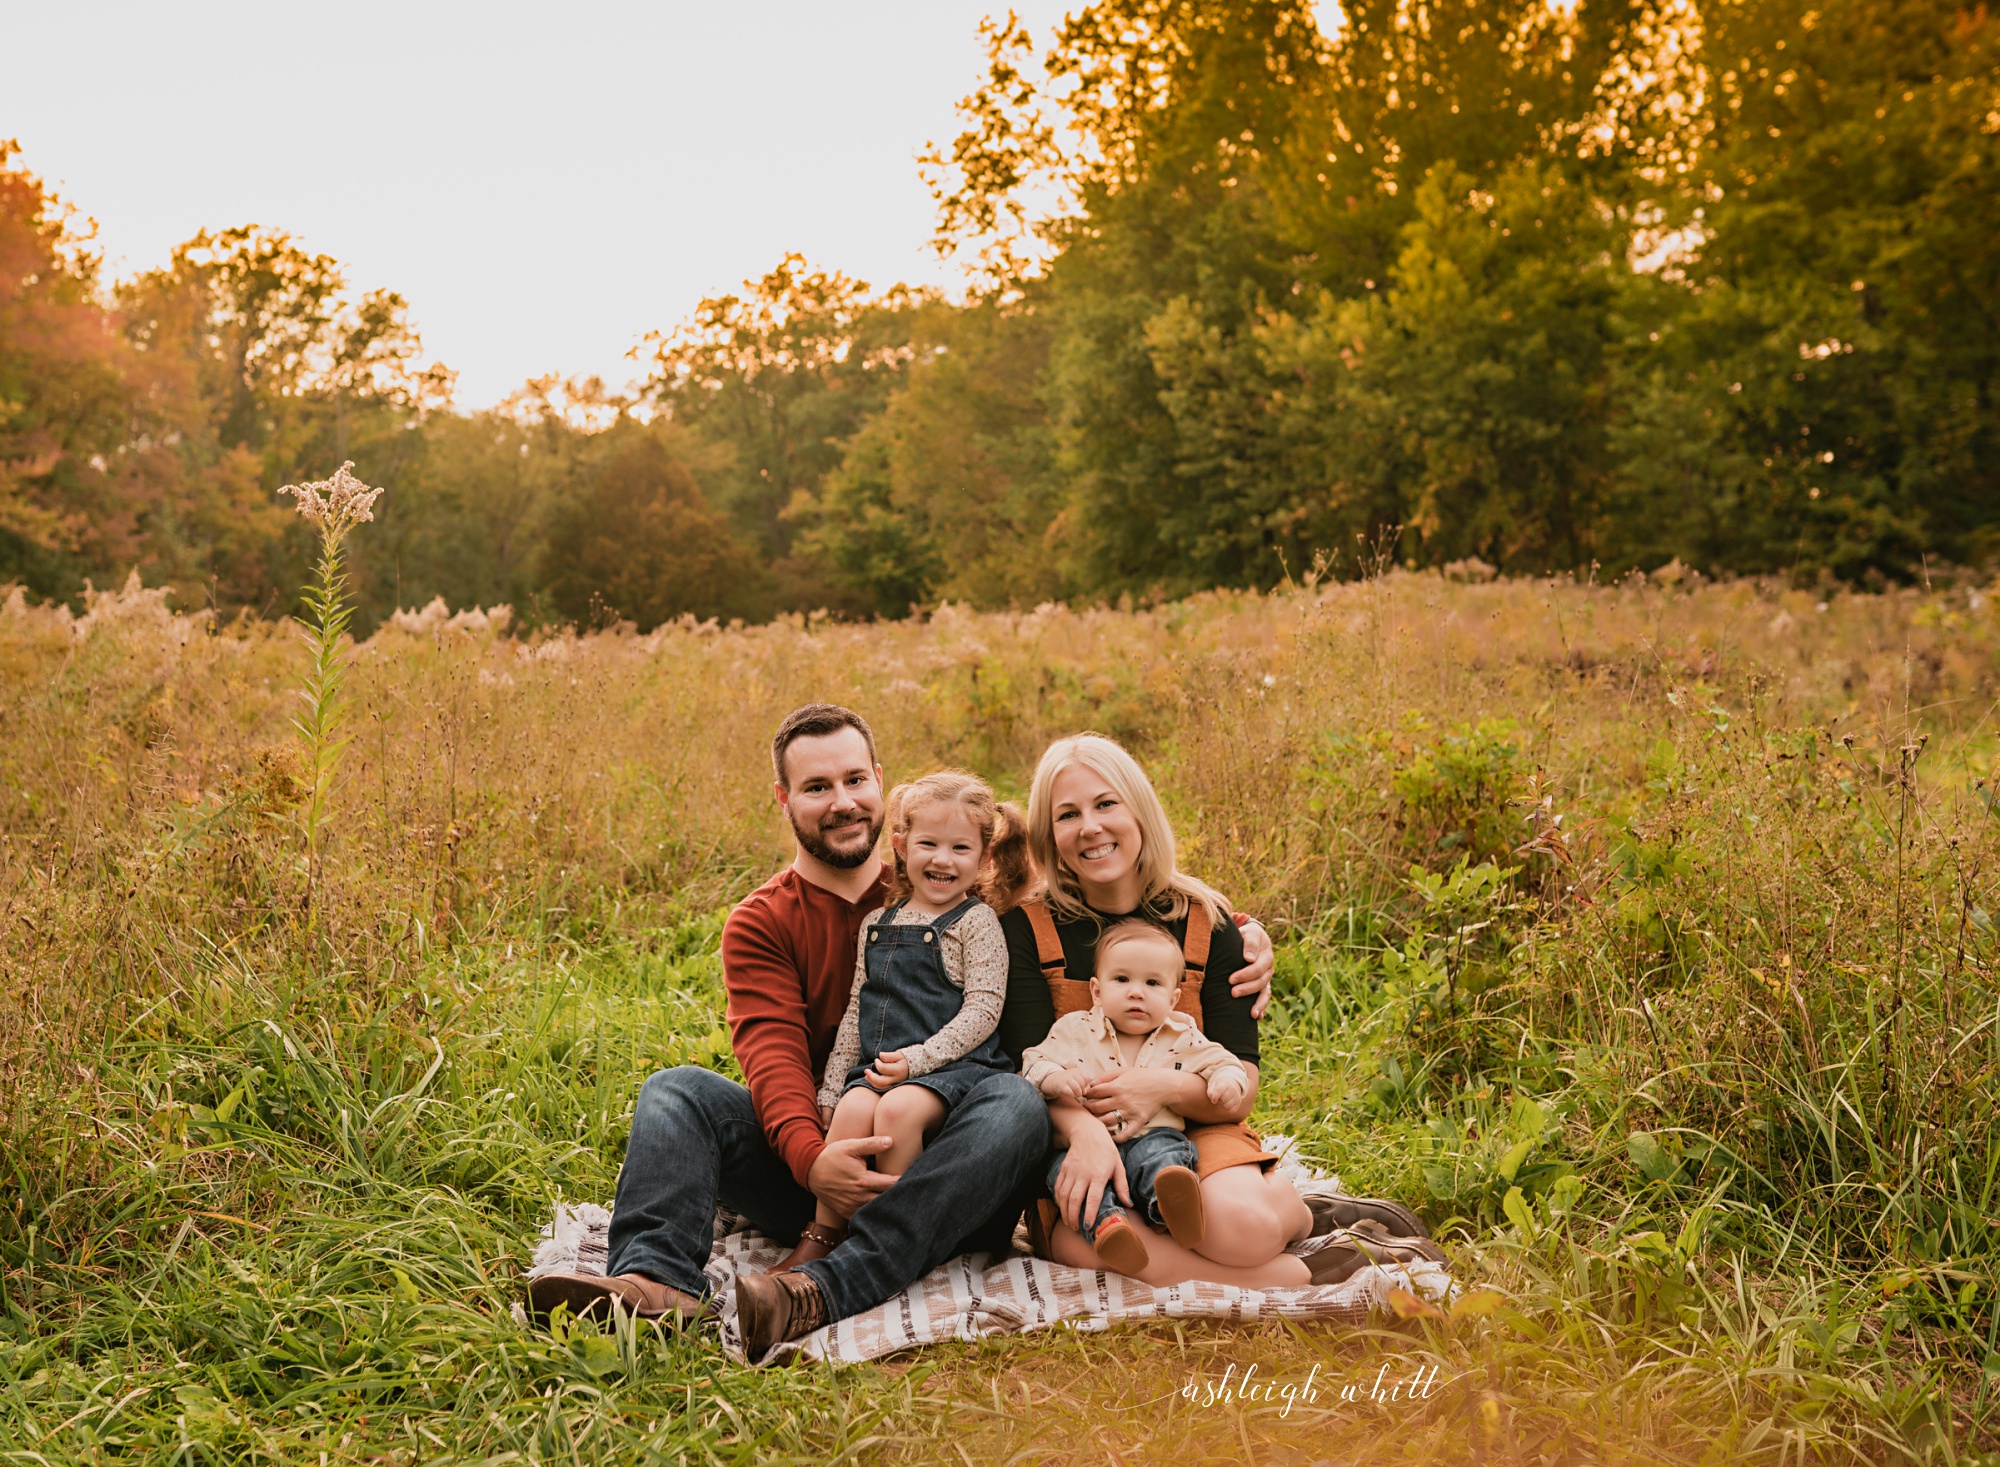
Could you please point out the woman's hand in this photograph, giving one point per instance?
(1128, 1098)
(888, 1069)
(1258, 957)
(1091, 1164)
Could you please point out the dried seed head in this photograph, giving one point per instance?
(335, 504)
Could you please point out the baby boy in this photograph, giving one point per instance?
(1132, 1022)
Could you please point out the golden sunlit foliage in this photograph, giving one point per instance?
(1610, 283)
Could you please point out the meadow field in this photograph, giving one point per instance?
(1640, 935)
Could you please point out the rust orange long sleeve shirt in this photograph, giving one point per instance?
(787, 966)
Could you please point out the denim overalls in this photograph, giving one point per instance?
(908, 998)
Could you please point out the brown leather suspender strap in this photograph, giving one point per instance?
(1066, 993)
(1069, 994)
(1194, 951)
(1048, 943)
(1194, 954)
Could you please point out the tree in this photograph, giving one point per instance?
(1826, 395)
(634, 539)
(950, 490)
(1187, 112)
(1230, 167)
(778, 379)
(260, 369)
(63, 399)
(471, 510)
(1476, 394)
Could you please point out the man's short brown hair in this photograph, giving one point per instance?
(816, 720)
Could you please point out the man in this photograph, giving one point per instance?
(699, 1139)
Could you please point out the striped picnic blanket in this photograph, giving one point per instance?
(975, 1296)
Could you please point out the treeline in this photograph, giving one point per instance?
(1529, 286)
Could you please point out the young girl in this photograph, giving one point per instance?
(930, 977)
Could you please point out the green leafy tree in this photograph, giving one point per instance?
(1825, 395)
(1235, 173)
(777, 379)
(1190, 111)
(1475, 396)
(259, 365)
(634, 539)
(950, 491)
(473, 509)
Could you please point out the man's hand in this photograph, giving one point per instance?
(1090, 1165)
(841, 1178)
(888, 1069)
(1065, 1085)
(1255, 974)
(1227, 1090)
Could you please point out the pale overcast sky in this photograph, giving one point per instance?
(544, 184)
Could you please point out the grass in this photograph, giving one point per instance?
(1699, 1079)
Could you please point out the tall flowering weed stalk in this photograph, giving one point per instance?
(334, 506)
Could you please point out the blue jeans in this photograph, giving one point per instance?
(696, 1142)
(1145, 1156)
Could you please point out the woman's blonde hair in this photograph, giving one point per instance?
(1002, 831)
(1163, 890)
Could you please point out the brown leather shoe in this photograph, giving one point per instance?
(772, 1308)
(1329, 1213)
(1371, 1234)
(592, 1296)
(1366, 1243)
(816, 1241)
(1178, 1192)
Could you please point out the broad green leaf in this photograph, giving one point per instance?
(1650, 1157)
(1527, 1120)
(1651, 1245)
(597, 1354)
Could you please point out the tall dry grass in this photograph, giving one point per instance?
(1649, 920)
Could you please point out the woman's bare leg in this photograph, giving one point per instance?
(904, 1115)
(853, 1118)
(1252, 1215)
(1169, 1263)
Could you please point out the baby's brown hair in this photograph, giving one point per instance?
(1137, 929)
(1002, 828)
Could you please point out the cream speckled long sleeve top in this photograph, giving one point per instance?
(975, 959)
(1086, 1041)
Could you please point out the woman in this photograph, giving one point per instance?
(1105, 851)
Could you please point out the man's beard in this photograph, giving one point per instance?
(811, 842)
